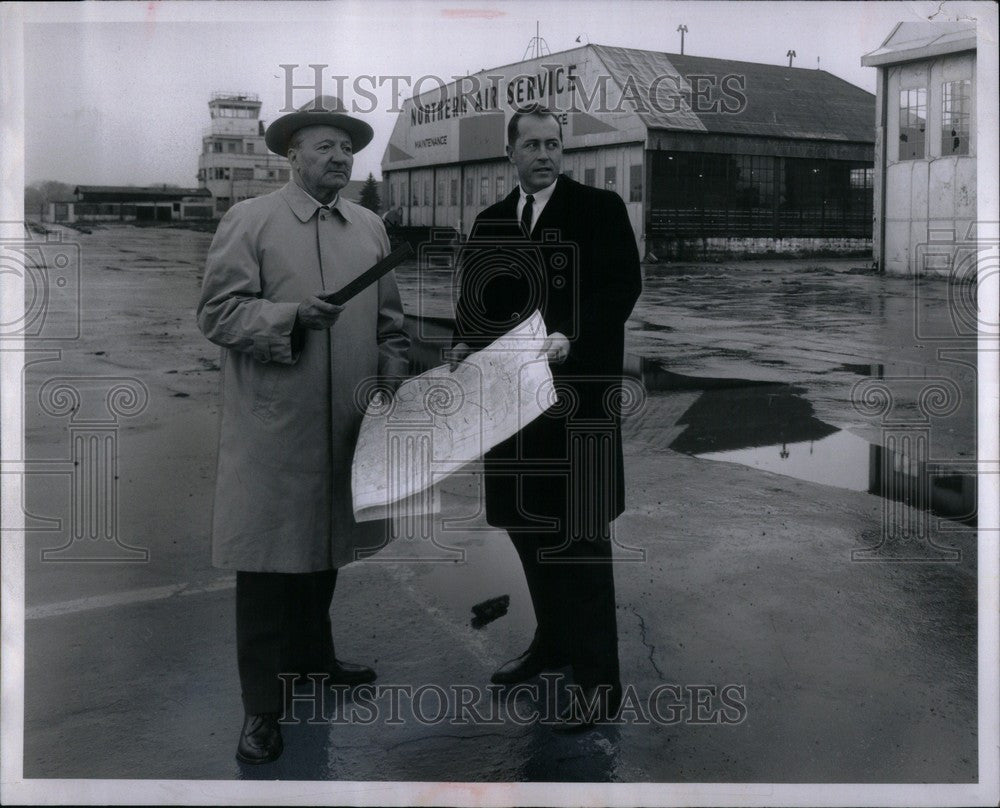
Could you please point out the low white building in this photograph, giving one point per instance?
(127, 203)
(925, 152)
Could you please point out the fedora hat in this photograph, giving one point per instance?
(323, 110)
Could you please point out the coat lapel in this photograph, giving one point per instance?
(508, 206)
(555, 211)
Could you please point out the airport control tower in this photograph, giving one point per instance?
(234, 163)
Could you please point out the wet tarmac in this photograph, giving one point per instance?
(785, 453)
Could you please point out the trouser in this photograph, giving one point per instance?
(573, 595)
(282, 626)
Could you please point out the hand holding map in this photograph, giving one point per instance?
(441, 420)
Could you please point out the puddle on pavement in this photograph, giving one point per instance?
(771, 427)
(844, 460)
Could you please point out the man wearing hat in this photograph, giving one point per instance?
(295, 371)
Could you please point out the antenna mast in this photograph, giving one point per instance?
(536, 46)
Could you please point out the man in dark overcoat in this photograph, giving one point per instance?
(567, 250)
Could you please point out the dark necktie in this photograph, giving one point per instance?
(526, 214)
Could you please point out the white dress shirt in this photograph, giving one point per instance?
(540, 200)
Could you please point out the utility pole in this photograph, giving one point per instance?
(683, 30)
(791, 55)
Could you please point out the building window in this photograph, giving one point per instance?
(217, 147)
(427, 192)
(635, 183)
(440, 193)
(470, 190)
(484, 191)
(231, 146)
(956, 111)
(249, 148)
(416, 188)
(454, 192)
(700, 195)
(862, 178)
(499, 189)
(751, 180)
(912, 123)
(610, 178)
(590, 176)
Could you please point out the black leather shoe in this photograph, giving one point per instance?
(349, 673)
(531, 663)
(589, 707)
(260, 740)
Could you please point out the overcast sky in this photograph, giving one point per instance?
(118, 93)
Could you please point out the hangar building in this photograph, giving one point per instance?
(710, 155)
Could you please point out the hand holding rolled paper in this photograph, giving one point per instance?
(369, 276)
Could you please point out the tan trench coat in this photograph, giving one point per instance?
(290, 416)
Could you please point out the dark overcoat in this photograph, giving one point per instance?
(580, 269)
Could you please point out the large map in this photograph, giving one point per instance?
(442, 420)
